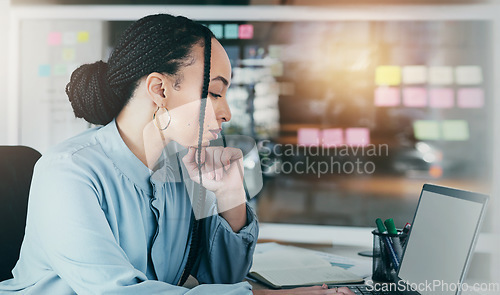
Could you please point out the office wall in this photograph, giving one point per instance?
(4, 51)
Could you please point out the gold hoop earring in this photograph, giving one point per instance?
(169, 119)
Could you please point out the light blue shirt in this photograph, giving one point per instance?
(99, 223)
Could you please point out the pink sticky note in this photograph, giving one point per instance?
(245, 31)
(470, 98)
(333, 137)
(308, 136)
(441, 98)
(387, 97)
(54, 38)
(357, 136)
(415, 97)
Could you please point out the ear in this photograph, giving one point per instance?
(157, 88)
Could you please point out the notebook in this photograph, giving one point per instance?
(290, 267)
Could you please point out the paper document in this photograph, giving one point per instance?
(286, 266)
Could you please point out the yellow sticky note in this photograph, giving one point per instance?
(455, 130)
(426, 130)
(388, 75)
(68, 54)
(83, 37)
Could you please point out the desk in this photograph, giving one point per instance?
(348, 241)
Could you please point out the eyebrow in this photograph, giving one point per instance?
(222, 79)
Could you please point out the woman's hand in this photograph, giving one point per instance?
(316, 290)
(222, 173)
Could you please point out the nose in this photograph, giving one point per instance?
(222, 111)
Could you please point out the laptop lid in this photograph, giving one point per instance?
(442, 238)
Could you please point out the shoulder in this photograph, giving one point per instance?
(80, 154)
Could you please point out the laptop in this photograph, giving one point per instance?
(440, 244)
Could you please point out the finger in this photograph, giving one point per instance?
(189, 162)
(345, 290)
(202, 156)
(229, 155)
(218, 167)
(208, 168)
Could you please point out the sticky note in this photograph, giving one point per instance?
(69, 38)
(231, 31)
(357, 136)
(468, 75)
(426, 130)
(387, 97)
(470, 98)
(83, 37)
(44, 70)
(308, 136)
(275, 51)
(388, 75)
(440, 75)
(54, 38)
(441, 98)
(59, 70)
(333, 137)
(415, 97)
(455, 130)
(218, 30)
(245, 31)
(68, 54)
(277, 69)
(414, 75)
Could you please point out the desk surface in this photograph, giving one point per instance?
(328, 236)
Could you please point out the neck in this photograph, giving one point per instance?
(141, 136)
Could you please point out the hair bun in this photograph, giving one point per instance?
(91, 96)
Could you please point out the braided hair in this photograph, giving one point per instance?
(157, 43)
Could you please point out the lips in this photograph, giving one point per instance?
(216, 132)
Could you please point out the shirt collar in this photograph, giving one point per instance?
(115, 148)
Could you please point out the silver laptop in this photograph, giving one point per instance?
(441, 242)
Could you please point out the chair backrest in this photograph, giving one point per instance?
(16, 170)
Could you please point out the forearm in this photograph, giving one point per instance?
(232, 207)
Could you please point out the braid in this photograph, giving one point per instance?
(195, 237)
(157, 43)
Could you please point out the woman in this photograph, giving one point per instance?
(107, 212)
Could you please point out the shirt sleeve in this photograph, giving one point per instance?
(77, 242)
(227, 256)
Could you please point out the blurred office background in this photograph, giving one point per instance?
(381, 96)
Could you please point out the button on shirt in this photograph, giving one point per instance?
(99, 223)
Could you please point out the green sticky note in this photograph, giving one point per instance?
(59, 70)
(388, 75)
(426, 130)
(217, 29)
(456, 130)
(231, 31)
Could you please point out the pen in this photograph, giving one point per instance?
(391, 229)
(388, 243)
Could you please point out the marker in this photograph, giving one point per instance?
(388, 243)
(391, 229)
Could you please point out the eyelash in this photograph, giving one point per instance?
(215, 95)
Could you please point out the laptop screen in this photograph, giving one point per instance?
(441, 238)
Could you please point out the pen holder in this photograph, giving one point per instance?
(387, 253)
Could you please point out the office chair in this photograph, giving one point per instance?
(16, 170)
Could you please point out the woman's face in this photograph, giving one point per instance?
(183, 102)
